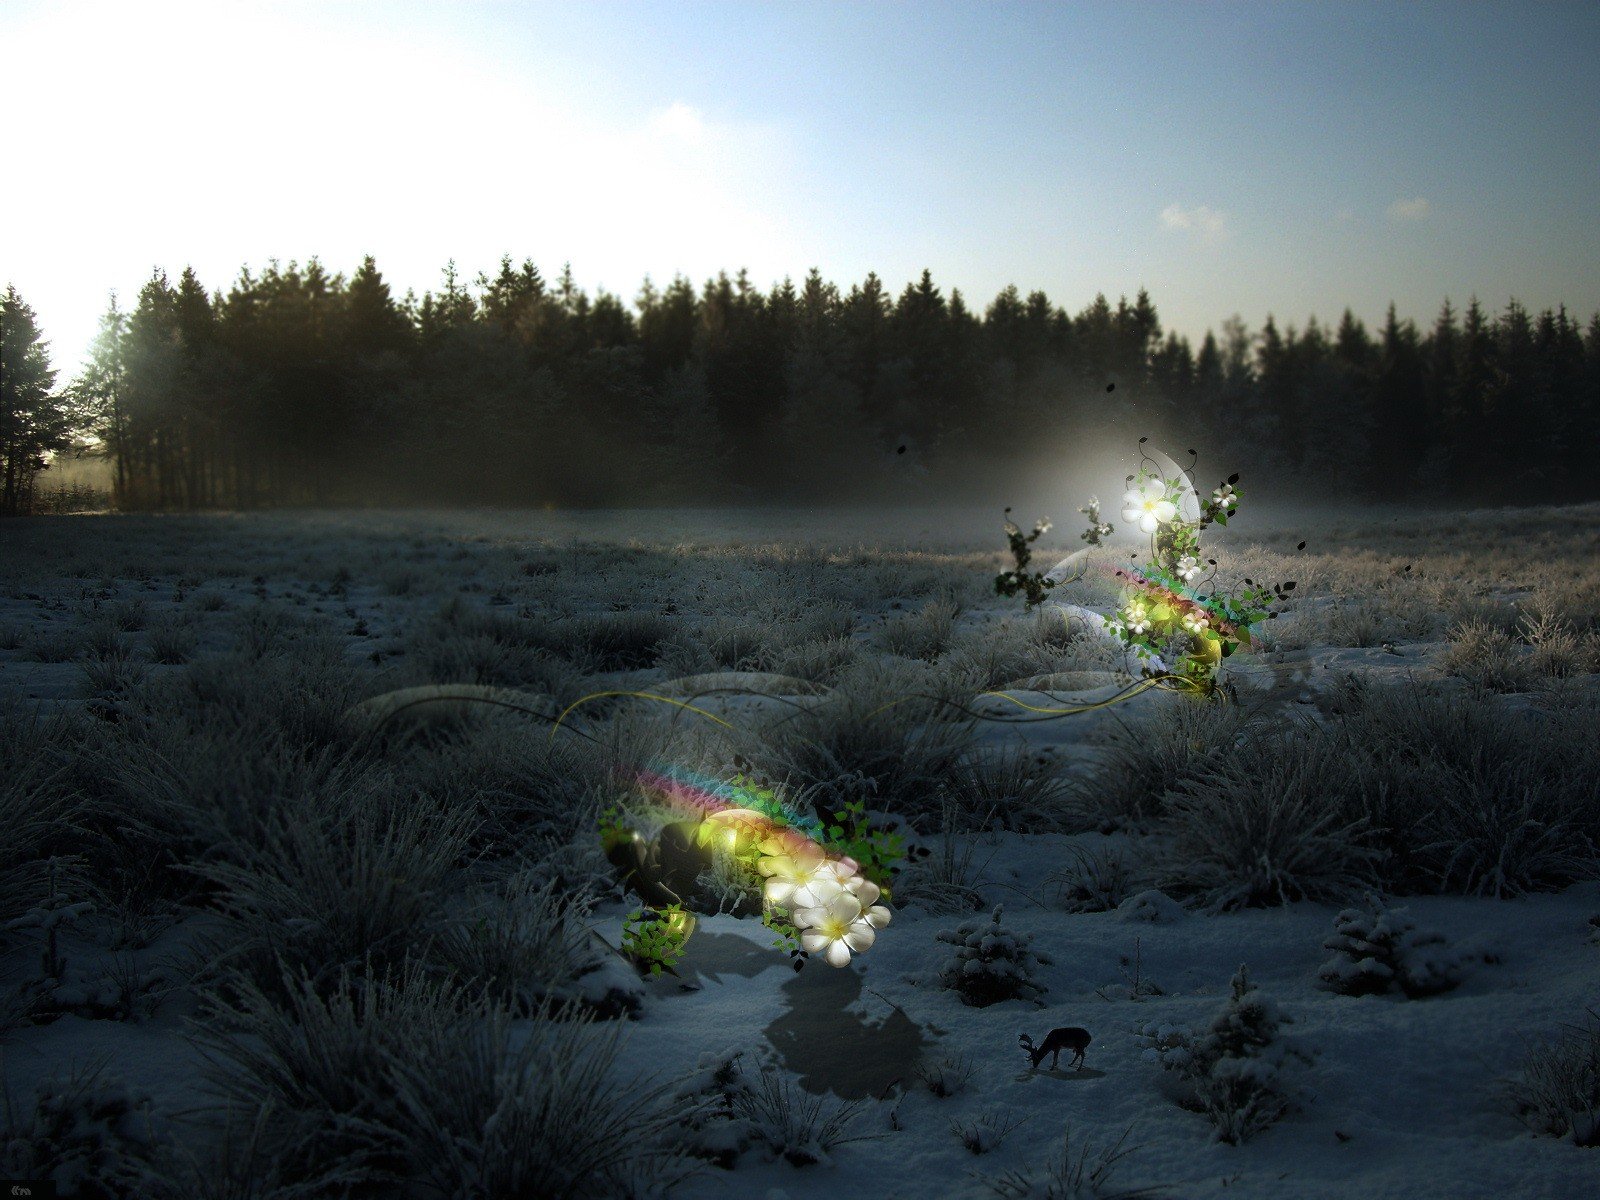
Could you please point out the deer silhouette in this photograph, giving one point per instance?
(1071, 1038)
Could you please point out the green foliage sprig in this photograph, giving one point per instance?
(1033, 584)
(880, 852)
(655, 937)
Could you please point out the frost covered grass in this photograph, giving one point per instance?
(387, 942)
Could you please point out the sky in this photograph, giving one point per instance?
(1280, 158)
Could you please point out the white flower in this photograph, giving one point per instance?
(835, 928)
(1188, 567)
(1149, 506)
(791, 873)
(866, 893)
(1138, 618)
(1223, 497)
(1195, 622)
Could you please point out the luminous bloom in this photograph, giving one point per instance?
(1188, 567)
(1195, 622)
(836, 928)
(1138, 618)
(1223, 497)
(1149, 506)
(741, 824)
(790, 873)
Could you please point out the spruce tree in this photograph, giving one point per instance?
(33, 419)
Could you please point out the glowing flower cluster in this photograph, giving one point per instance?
(832, 905)
(1148, 506)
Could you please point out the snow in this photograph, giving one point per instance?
(1401, 1099)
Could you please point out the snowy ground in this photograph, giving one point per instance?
(1400, 1098)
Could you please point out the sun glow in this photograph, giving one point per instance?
(218, 135)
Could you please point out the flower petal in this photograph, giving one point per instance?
(878, 916)
(811, 941)
(860, 936)
(838, 955)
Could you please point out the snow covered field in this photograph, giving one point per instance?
(207, 852)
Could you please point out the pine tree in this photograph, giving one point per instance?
(33, 419)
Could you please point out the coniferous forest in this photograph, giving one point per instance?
(299, 386)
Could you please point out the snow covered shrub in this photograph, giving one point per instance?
(86, 1133)
(799, 1129)
(1171, 742)
(946, 1075)
(1093, 880)
(1558, 1091)
(1084, 1174)
(1378, 948)
(991, 963)
(1267, 824)
(983, 1133)
(1235, 1071)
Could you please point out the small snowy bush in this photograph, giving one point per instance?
(1558, 1091)
(991, 963)
(1235, 1070)
(1377, 949)
(946, 1075)
(86, 1133)
(798, 1129)
(982, 1134)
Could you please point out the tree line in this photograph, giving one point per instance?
(298, 386)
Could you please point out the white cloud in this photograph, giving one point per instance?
(1410, 210)
(1207, 224)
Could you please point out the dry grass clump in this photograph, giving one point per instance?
(1009, 788)
(886, 735)
(924, 633)
(1266, 824)
(344, 881)
(1147, 758)
(1467, 796)
(1557, 1093)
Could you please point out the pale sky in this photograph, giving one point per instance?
(1283, 157)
